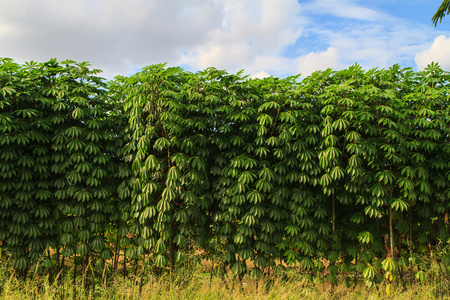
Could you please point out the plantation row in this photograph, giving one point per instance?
(346, 171)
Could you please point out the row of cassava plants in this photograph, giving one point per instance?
(342, 172)
(60, 166)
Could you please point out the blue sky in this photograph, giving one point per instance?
(263, 37)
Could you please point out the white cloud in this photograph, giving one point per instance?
(260, 75)
(437, 52)
(114, 35)
(371, 44)
(119, 36)
(250, 29)
(313, 61)
(275, 64)
(280, 37)
(344, 9)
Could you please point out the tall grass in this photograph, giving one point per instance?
(195, 283)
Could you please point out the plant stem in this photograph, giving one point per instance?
(391, 233)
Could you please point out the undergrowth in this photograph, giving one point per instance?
(195, 282)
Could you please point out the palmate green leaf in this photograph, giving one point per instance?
(38, 137)
(400, 204)
(369, 273)
(92, 181)
(285, 136)
(168, 194)
(306, 263)
(266, 174)
(238, 188)
(386, 176)
(83, 167)
(372, 211)
(288, 117)
(189, 197)
(98, 243)
(249, 220)
(261, 152)
(75, 145)
(357, 218)
(325, 180)
(340, 124)
(26, 112)
(279, 153)
(7, 138)
(101, 158)
(97, 218)
(378, 190)
(276, 214)
(269, 106)
(163, 206)
(161, 144)
(281, 168)
(178, 158)
(74, 177)
(255, 196)
(353, 136)
(238, 268)
(198, 163)
(84, 235)
(173, 173)
(405, 183)
(238, 199)
(238, 238)
(58, 106)
(425, 186)
(83, 195)
(328, 109)
(152, 163)
(8, 154)
(268, 227)
(320, 213)
(312, 129)
(337, 173)
(402, 226)
(21, 263)
(73, 132)
(22, 139)
(257, 210)
(264, 186)
(94, 136)
(7, 90)
(78, 113)
(331, 141)
(327, 130)
(272, 141)
(246, 177)
(366, 237)
(83, 249)
(26, 161)
(21, 217)
(265, 119)
(331, 153)
(389, 265)
(292, 230)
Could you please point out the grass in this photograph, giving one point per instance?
(195, 283)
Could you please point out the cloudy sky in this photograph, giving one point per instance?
(263, 37)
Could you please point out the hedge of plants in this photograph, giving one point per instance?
(342, 173)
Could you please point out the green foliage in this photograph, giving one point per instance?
(441, 12)
(343, 170)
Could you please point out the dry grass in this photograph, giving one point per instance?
(196, 284)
